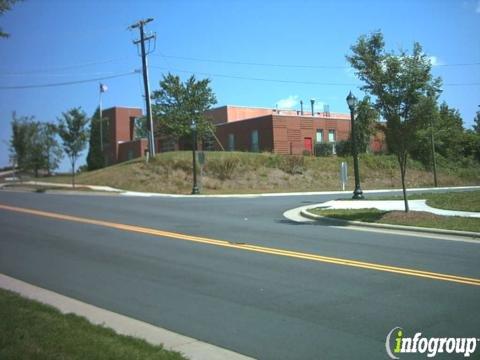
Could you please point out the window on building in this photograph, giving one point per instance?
(331, 136)
(254, 144)
(231, 142)
(319, 136)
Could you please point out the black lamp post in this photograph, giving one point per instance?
(352, 102)
(194, 149)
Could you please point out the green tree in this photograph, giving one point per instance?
(33, 145)
(177, 103)
(366, 118)
(73, 131)
(398, 82)
(95, 158)
(21, 140)
(476, 123)
(449, 133)
(5, 5)
(52, 151)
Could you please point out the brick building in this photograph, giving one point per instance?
(237, 128)
(279, 131)
(120, 142)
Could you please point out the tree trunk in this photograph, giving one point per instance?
(73, 175)
(402, 160)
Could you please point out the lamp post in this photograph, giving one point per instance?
(193, 127)
(312, 103)
(352, 102)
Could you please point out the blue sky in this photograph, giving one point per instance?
(56, 41)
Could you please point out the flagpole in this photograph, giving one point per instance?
(101, 124)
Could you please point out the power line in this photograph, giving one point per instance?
(234, 62)
(66, 83)
(65, 67)
(283, 81)
(254, 63)
(255, 78)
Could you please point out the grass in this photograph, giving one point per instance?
(455, 200)
(237, 172)
(412, 218)
(44, 188)
(31, 330)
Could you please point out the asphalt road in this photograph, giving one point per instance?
(259, 304)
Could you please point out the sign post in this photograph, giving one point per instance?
(343, 174)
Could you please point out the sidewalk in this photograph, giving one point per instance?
(150, 194)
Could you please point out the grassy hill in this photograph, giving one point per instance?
(235, 172)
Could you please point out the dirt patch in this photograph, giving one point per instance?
(401, 216)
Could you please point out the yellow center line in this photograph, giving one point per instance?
(248, 247)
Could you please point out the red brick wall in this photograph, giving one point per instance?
(289, 132)
(120, 120)
(136, 148)
(243, 130)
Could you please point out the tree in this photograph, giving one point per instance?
(73, 131)
(5, 5)
(365, 121)
(21, 140)
(34, 145)
(51, 148)
(95, 158)
(399, 83)
(177, 104)
(476, 123)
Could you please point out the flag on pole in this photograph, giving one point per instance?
(103, 88)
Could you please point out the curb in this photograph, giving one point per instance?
(121, 192)
(191, 348)
(305, 213)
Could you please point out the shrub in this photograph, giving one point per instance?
(223, 168)
(323, 149)
(343, 148)
(293, 164)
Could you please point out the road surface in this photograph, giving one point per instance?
(247, 279)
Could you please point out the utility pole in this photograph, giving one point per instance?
(140, 25)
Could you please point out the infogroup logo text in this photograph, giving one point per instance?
(397, 343)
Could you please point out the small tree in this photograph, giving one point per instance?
(476, 123)
(95, 159)
(51, 148)
(20, 142)
(399, 83)
(177, 104)
(74, 134)
(366, 117)
(33, 145)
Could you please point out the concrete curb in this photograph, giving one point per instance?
(305, 213)
(121, 192)
(191, 348)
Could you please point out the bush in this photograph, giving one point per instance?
(223, 168)
(323, 149)
(343, 148)
(293, 164)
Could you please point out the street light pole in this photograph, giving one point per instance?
(193, 127)
(352, 102)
